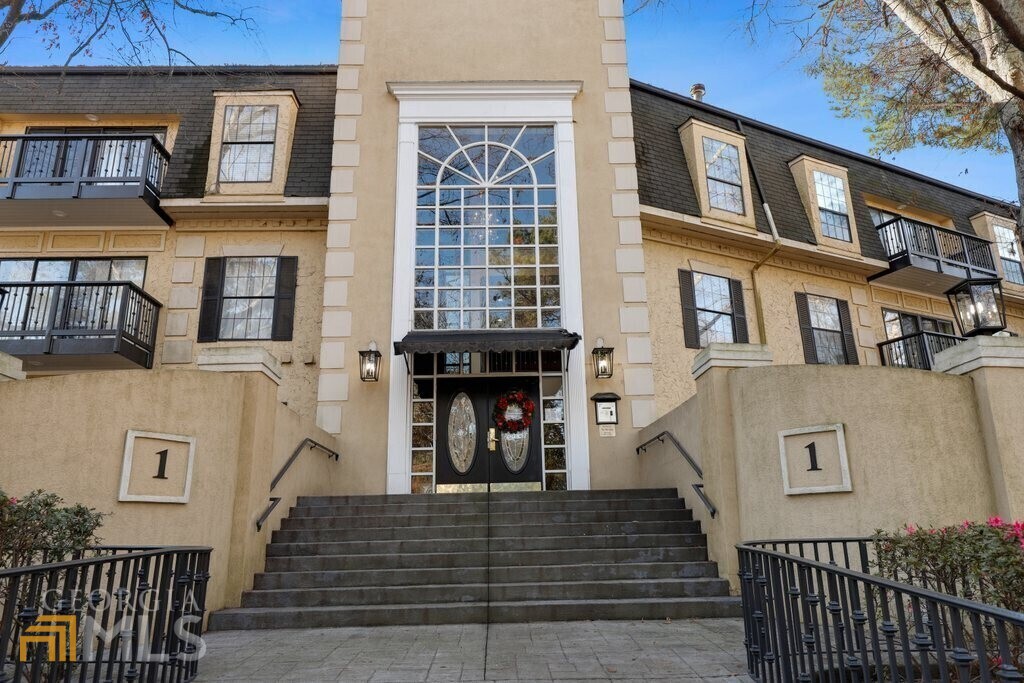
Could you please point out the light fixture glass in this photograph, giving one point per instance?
(978, 306)
(604, 360)
(369, 363)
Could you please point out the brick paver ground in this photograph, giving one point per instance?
(678, 651)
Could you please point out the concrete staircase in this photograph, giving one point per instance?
(444, 559)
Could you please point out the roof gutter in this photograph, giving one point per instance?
(762, 333)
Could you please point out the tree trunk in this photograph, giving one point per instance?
(1012, 117)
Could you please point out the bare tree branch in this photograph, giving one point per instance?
(975, 55)
(1014, 32)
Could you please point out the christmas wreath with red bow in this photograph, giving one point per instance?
(505, 401)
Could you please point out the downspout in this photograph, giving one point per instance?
(762, 333)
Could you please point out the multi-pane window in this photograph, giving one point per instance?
(247, 146)
(827, 330)
(1009, 252)
(487, 249)
(713, 309)
(74, 270)
(832, 208)
(251, 297)
(249, 288)
(724, 176)
(899, 324)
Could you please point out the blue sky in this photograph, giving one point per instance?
(690, 41)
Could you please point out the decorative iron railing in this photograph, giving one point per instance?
(39, 166)
(916, 350)
(118, 614)
(946, 250)
(813, 611)
(68, 317)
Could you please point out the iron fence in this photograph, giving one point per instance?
(116, 614)
(916, 350)
(946, 249)
(813, 611)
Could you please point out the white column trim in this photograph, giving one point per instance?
(518, 102)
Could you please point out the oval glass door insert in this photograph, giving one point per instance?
(462, 433)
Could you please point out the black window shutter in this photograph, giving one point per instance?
(691, 335)
(803, 316)
(213, 291)
(848, 339)
(284, 301)
(740, 335)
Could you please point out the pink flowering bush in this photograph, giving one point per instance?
(982, 561)
(40, 528)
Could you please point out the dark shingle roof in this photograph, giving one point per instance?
(188, 93)
(665, 181)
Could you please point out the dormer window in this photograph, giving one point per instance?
(832, 207)
(247, 149)
(251, 143)
(1010, 253)
(725, 180)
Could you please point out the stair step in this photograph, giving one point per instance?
(338, 518)
(476, 559)
(421, 576)
(518, 496)
(494, 545)
(419, 507)
(460, 613)
(482, 531)
(482, 592)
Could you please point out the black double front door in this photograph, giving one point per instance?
(470, 449)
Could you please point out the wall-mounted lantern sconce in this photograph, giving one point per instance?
(369, 363)
(604, 360)
(978, 307)
(606, 408)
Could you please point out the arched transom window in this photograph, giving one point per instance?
(487, 228)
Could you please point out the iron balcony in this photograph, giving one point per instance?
(73, 326)
(49, 181)
(916, 351)
(930, 259)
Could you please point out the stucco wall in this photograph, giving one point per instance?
(243, 436)
(914, 442)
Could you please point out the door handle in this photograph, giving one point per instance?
(492, 439)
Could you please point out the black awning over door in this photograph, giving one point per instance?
(455, 341)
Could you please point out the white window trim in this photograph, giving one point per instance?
(486, 103)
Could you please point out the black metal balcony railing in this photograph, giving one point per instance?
(813, 611)
(953, 255)
(38, 319)
(81, 166)
(916, 350)
(111, 614)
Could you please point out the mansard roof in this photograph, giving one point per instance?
(187, 92)
(665, 181)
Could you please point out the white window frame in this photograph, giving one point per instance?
(822, 209)
(486, 103)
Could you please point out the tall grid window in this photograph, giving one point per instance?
(250, 285)
(247, 147)
(832, 208)
(827, 328)
(487, 249)
(714, 309)
(724, 177)
(1009, 252)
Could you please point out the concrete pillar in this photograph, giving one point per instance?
(10, 368)
(711, 370)
(996, 365)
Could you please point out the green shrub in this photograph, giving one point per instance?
(41, 528)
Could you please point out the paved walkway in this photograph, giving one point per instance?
(680, 651)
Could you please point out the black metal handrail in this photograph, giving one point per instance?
(813, 611)
(275, 501)
(698, 489)
(37, 166)
(123, 614)
(948, 250)
(916, 350)
(48, 312)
